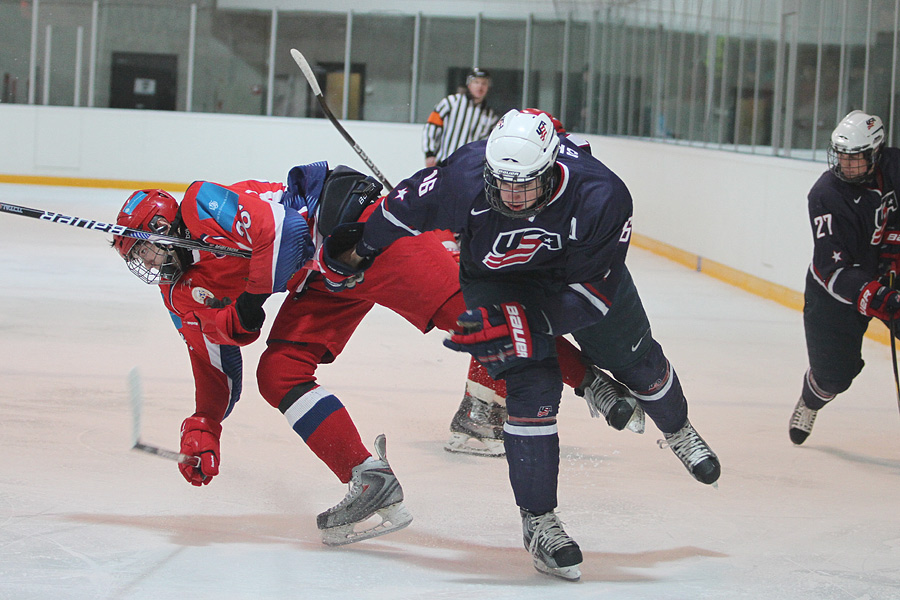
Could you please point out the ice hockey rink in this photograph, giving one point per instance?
(84, 517)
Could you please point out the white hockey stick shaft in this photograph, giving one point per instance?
(314, 84)
(137, 399)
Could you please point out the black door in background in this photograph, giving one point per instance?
(143, 81)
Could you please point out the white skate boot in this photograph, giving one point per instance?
(551, 548)
(477, 428)
(694, 453)
(374, 493)
(607, 397)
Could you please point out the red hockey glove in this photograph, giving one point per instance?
(235, 324)
(200, 437)
(889, 253)
(499, 337)
(878, 301)
(337, 274)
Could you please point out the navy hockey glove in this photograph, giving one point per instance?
(339, 275)
(878, 301)
(499, 337)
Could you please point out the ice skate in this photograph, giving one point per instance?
(551, 548)
(375, 494)
(607, 397)
(477, 428)
(694, 453)
(802, 422)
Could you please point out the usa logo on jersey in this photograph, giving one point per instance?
(519, 246)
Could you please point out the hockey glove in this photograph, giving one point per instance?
(889, 253)
(339, 275)
(878, 301)
(499, 337)
(236, 324)
(200, 437)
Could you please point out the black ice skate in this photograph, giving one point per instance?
(694, 453)
(607, 397)
(802, 422)
(477, 428)
(551, 548)
(374, 493)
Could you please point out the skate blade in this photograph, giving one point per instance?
(572, 573)
(636, 422)
(464, 444)
(392, 518)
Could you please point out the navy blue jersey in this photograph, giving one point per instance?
(578, 242)
(848, 225)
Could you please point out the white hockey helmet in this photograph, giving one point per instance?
(857, 133)
(521, 151)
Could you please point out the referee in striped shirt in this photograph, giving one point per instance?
(459, 119)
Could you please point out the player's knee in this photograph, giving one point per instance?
(282, 368)
(648, 372)
(534, 392)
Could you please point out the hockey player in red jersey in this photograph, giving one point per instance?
(216, 302)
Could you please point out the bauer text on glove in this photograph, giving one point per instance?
(878, 301)
(499, 337)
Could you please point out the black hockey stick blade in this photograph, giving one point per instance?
(112, 228)
(137, 399)
(317, 91)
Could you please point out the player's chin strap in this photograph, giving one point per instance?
(894, 344)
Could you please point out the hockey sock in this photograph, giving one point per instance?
(814, 397)
(480, 385)
(325, 425)
(532, 452)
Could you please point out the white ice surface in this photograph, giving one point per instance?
(83, 517)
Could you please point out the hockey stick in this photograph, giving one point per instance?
(891, 325)
(156, 238)
(314, 84)
(134, 386)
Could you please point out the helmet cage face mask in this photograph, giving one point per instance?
(519, 192)
(154, 263)
(520, 174)
(857, 142)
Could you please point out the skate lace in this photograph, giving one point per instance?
(687, 445)
(548, 534)
(479, 411)
(803, 417)
(604, 398)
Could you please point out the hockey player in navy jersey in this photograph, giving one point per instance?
(853, 212)
(544, 229)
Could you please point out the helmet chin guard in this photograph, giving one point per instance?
(858, 137)
(519, 166)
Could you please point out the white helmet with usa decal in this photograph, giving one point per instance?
(858, 138)
(519, 167)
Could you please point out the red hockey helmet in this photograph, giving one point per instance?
(154, 211)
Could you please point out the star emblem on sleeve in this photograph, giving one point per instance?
(401, 193)
(836, 256)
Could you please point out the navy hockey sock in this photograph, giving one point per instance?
(532, 452)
